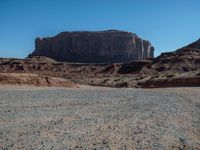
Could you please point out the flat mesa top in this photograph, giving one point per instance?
(97, 32)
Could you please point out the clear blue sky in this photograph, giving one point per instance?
(167, 24)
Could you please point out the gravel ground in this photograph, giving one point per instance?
(99, 118)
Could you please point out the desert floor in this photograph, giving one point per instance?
(99, 118)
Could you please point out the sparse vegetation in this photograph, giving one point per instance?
(198, 73)
(170, 75)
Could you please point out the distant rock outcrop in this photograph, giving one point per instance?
(110, 46)
(182, 60)
(173, 69)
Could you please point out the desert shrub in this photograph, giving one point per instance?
(171, 75)
(198, 73)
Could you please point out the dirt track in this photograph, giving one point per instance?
(99, 118)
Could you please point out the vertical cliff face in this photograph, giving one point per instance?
(110, 46)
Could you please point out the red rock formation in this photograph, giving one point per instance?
(94, 47)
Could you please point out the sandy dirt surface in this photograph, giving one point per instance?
(99, 118)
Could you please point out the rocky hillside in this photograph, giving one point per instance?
(110, 46)
(183, 60)
(178, 68)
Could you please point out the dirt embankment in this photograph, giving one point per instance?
(34, 80)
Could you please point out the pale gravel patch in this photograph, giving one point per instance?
(99, 118)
